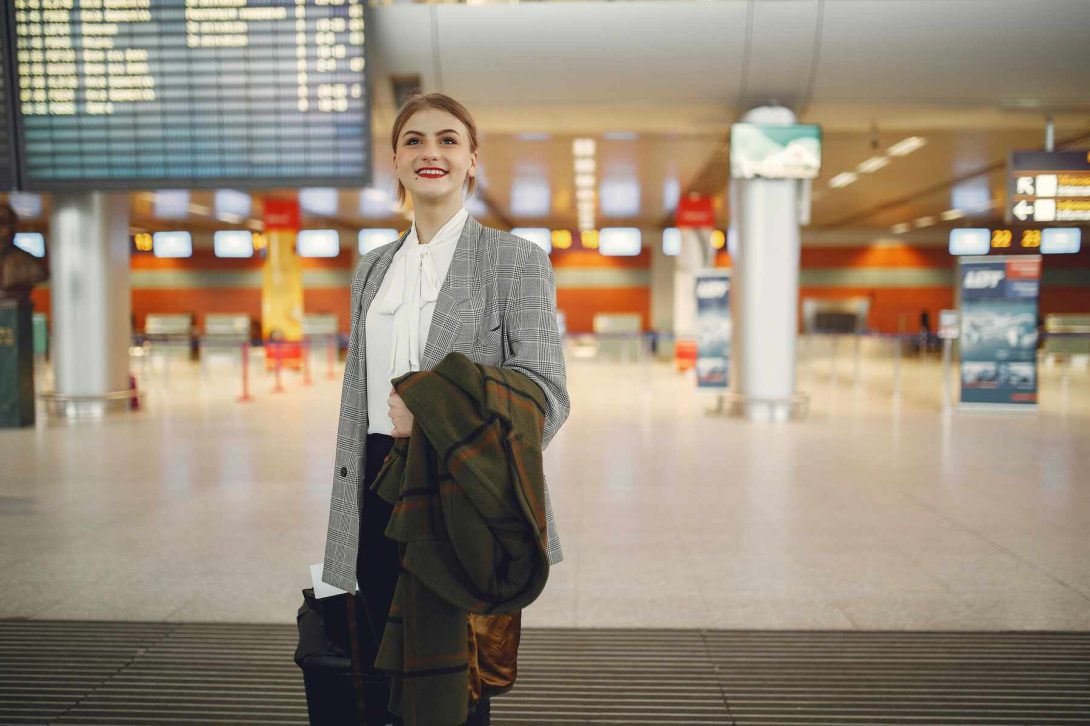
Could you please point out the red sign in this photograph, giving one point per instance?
(1028, 268)
(281, 215)
(695, 211)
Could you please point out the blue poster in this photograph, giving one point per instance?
(712, 328)
(999, 330)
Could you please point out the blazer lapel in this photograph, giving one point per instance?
(454, 299)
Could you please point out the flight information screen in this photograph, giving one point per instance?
(137, 94)
(7, 140)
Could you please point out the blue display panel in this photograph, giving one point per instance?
(138, 94)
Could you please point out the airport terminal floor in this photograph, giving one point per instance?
(880, 561)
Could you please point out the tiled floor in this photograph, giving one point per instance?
(876, 512)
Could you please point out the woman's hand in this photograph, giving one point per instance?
(400, 415)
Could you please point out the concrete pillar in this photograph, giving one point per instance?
(764, 298)
(91, 303)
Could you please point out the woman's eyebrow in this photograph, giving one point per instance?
(420, 133)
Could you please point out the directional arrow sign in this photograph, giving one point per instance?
(1025, 185)
(1023, 210)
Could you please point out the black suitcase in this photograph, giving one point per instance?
(329, 655)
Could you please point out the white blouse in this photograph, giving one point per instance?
(399, 319)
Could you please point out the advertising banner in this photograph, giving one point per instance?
(712, 328)
(999, 330)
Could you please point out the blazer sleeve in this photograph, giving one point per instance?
(534, 347)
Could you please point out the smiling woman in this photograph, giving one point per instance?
(449, 285)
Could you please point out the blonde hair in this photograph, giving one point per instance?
(420, 101)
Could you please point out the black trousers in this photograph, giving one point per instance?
(377, 565)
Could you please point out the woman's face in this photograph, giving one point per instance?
(432, 158)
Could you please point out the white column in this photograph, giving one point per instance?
(91, 301)
(764, 295)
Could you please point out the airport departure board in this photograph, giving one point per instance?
(143, 94)
(7, 139)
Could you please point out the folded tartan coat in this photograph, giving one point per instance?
(468, 493)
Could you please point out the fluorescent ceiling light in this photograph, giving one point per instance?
(671, 241)
(900, 228)
(233, 243)
(671, 190)
(907, 146)
(31, 242)
(872, 164)
(585, 165)
(199, 209)
(951, 214)
(540, 236)
(585, 195)
(171, 203)
(320, 201)
(318, 243)
(584, 181)
(372, 239)
(530, 197)
(231, 203)
(924, 221)
(619, 196)
(843, 179)
(172, 244)
(619, 241)
(583, 147)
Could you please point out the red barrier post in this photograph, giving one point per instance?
(278, 351)
(306, 361)
(245, 397)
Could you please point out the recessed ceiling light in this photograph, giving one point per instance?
(924, 221)
(872, 164)
(907, 146)
(843, 179)
(951, 214)
(585, 181)
(585, 165)
(583, 147)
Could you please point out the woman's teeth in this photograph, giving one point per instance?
(431, 173)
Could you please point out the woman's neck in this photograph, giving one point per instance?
(430, 216)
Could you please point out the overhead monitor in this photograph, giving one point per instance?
(619, 241)
(970, 241)
(372, 239)
(31, 242)
(175, 243)
(318, 243)
(147, 95)
(775, 152)
(233, 243)
(7, 138)
(1061, 240)
(540, 236)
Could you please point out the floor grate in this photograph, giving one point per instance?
(65, 672)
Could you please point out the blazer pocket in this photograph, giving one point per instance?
(488, 346)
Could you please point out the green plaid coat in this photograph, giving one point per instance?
(469, 514)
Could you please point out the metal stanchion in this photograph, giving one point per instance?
(947, 385)
(836, 340)
(330, 356)
(897, 340)
(856, 352)
(306, 362)
(279, 363)
(245, 397)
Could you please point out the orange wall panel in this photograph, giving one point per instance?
(579, 304)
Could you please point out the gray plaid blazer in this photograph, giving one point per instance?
(497, 305)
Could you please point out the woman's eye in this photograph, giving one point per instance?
(450, 140)
(410, 142)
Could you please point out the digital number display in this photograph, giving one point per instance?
(139, 94)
